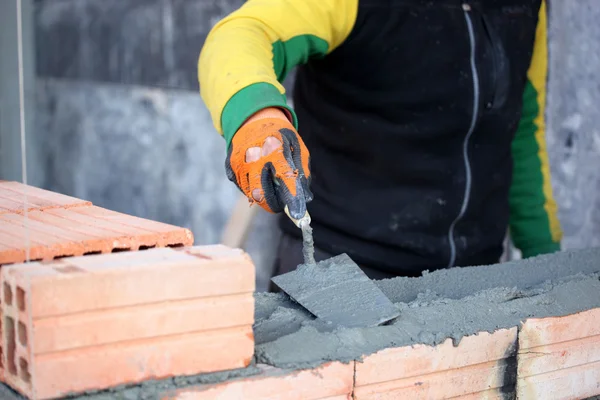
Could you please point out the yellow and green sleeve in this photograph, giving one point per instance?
(248, 54)
(534, 225)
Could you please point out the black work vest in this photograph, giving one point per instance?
(409, 124)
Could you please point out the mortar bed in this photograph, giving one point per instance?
(439, 305)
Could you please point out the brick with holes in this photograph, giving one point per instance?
(94, 322)
(82, 231)
(63, 226)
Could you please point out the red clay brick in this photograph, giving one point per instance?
(169, 318)
(13, 202)
(42, 245)
(107, 239)
(43, 232)
(117, 236)
(94, 322)
(477, 365)
(167, 235)
(12, 194)
(11, 206)
(76, 231)
(62, 226)
(332, 381)
(559, 357)
(116, 280)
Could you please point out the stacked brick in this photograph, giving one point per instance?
(94, 322)
(62, 226)
(42, 225)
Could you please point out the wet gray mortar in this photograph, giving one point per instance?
(439, 305)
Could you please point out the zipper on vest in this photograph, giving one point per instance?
(491, 101)
(499, 74)
(467, 193)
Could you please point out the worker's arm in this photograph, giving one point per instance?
(245, 58)
(534, 225)
(247, 54)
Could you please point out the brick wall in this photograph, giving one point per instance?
(180, 320)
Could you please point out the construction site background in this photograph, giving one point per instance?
(114, 115)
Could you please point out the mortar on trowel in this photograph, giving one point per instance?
(334, 290)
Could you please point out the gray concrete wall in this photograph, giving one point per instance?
(10, 125)
(574, 118)
(122, 123)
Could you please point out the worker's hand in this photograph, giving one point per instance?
(270, 164)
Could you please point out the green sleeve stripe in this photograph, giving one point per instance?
(248, 101)
(528, 216)
(296, 51)
(286, 55)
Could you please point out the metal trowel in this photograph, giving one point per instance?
(335, 290)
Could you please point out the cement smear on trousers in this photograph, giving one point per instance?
(443, 304)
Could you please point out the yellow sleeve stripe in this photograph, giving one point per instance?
(238, 51)
(537, 75)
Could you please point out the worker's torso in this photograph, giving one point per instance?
(409, 123)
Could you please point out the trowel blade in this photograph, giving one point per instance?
(336, 290)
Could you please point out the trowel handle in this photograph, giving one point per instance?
(298, 222)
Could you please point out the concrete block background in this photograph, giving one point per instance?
(119, 120)
(573, 118)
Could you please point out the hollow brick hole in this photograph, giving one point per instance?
(92, 253)
(176, 245)
(24, 370)
(11, 345)
(120, 249)
(7, 294)
(22, 334)
(146, 247)
(20, 298)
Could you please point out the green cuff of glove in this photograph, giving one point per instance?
(537, 250)
(247, 102)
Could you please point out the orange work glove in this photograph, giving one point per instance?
(270, 164)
